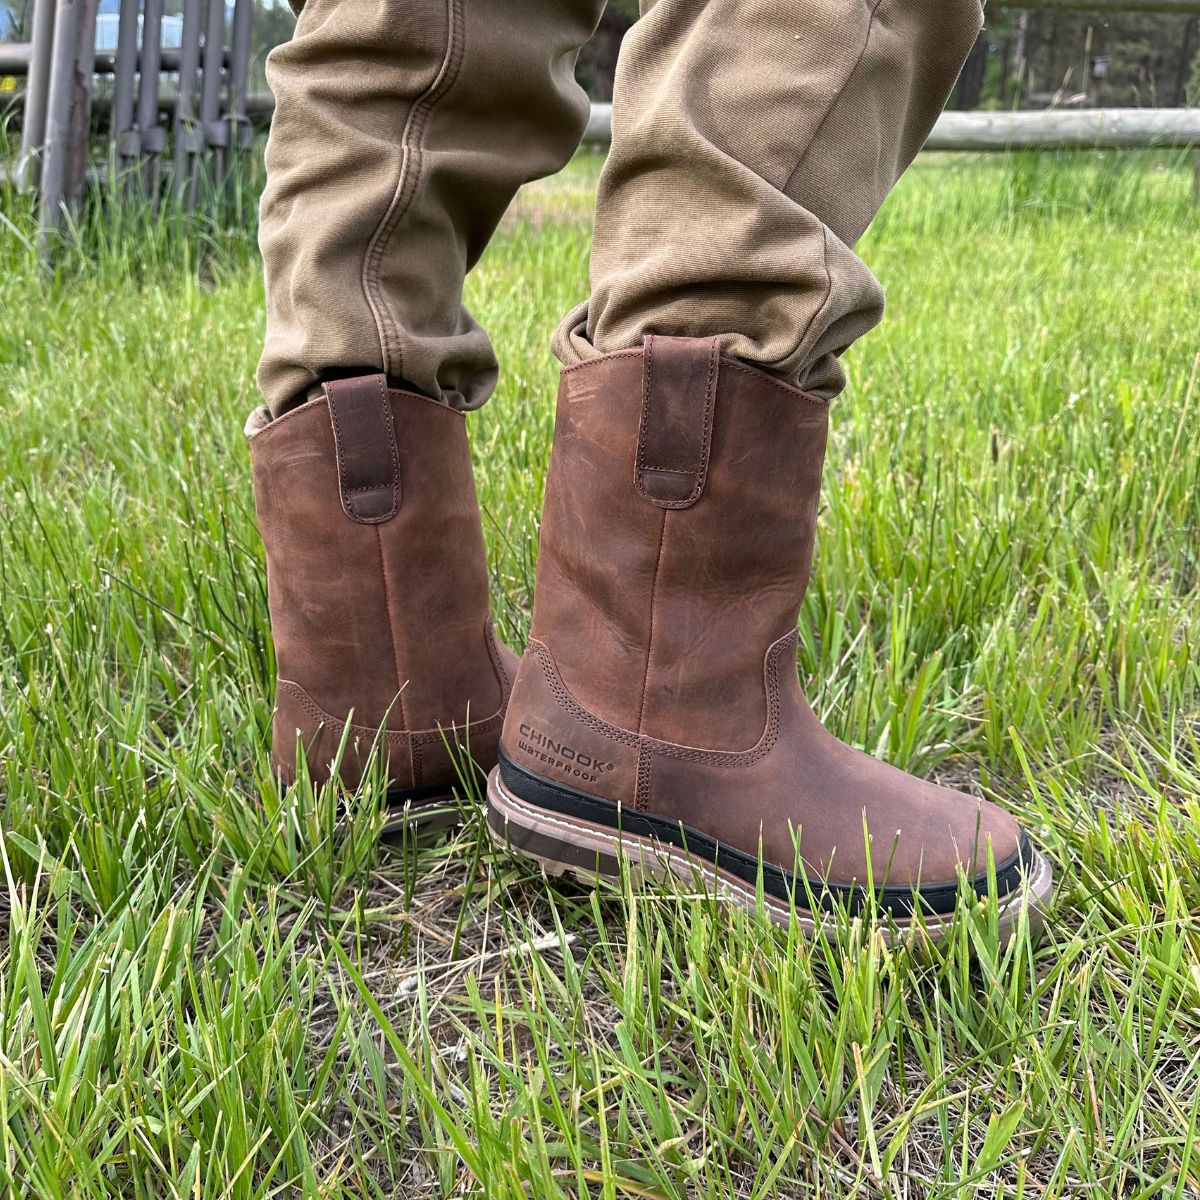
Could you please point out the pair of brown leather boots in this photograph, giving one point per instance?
(657, 713)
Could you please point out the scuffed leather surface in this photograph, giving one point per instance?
(599, 541)
(665, 642)
(796, 785)
(727, 573)
(388, 620)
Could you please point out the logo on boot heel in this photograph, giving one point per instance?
(560, 755)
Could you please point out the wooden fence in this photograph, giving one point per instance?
(175, 116)
(1049, 129)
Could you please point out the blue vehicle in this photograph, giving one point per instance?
(14, 25)
(10, 22)
(108, 20)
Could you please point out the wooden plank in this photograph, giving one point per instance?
(1155, 6)
(1058, 129)
(1048, 129)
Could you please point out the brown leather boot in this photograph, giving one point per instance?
(378, 591)
(657, 709)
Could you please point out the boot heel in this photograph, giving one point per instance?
(592, 853)
(562, 847)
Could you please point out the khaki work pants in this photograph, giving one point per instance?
(753, 141)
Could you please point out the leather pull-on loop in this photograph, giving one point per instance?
(365, 438)
(679, 395)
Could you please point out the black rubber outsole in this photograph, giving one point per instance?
(813, 894)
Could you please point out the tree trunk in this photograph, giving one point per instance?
(969, 88)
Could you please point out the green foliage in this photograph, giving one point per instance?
(211, 990)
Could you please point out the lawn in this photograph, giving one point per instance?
(208, 990)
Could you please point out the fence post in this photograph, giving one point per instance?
(124, 136)
(210, 94)
(188, 139)
(152, 137)
(58, 120)
(37, 91)
(240, 133)
(82, 83)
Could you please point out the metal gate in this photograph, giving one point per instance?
(176, 116)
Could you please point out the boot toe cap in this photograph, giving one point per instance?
(952, 836)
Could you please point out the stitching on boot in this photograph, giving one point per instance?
(387, 605)
(640, 462)
(390, 424)
(263, 435)
(591, 362)
(428, 737)
(559, 690)
(662, 534)
(760, 374)
(314, 710)
(694, 754)
(698, 473)
(487, 724)
(411, 144)
(395, 737)
(727, 363)
(489, 640)
(641, 788)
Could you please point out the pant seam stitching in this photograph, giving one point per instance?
(410, 166)
(827, 299)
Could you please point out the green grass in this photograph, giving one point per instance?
(210, 991)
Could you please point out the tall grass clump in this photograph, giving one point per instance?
(210, 989)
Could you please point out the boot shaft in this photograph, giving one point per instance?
(657, 712)
(677, 537)
(377, 578)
